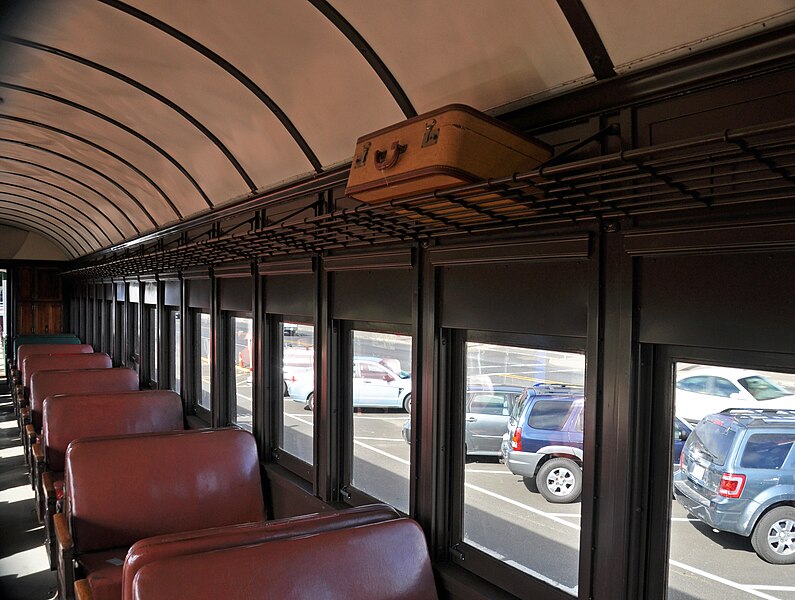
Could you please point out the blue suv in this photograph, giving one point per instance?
(737, 474)
(544, 441)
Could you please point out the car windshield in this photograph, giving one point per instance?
(761, 388)
(712, 438)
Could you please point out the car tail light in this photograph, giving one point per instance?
(516, 439)
(731, 485)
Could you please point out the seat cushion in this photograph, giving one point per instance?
(103, 571)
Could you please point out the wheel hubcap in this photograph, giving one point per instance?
(560, 481)
(781, 537)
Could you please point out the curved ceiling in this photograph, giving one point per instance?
(118, 118)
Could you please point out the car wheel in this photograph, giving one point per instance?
(560, 480)
(774, 536)
(407, 403)
(310, 401)
(286, 390)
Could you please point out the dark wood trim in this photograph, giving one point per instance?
(588, 37)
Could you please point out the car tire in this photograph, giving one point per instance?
(407, 403)
(773, 538)
(559, 480)
(530, 484)
(310, 401)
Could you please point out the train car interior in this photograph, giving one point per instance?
(459, 299)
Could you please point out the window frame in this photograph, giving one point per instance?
(459, 552)
(229, 383)
(654, 421)
(275, 339)
(203, 413)
(349, 493)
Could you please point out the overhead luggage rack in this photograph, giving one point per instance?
(734, 167)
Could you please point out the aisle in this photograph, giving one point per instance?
(24, 572)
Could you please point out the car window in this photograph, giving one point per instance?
(579, 421)
(697, 384)
(762, 389)
(550, 415)
(371, 371)
(723, 387)
(767, 450)
(489, 405)
(712, 439)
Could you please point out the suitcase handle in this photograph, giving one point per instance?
(384, 159)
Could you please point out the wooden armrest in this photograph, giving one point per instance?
(83, 590)
(48, 484)
(38, 452)
(25, 412)
(62, 533)
(30, 431)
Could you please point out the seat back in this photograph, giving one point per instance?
(119, 490)
(47, 338)
(69, 417)
(77, 381)
(60, 362)
(381, 560)
(30, 349)
(161, 547)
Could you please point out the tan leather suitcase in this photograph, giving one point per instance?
(446, 147)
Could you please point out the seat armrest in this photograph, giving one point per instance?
(66, 565)
(48, 485)
(83, 590)
(25, 414)
(38, 455)
(30, 431)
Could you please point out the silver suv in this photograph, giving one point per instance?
(737, 474)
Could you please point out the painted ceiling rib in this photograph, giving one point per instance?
(101, 149)
(588, 37)
(229, 68)
(88, 219)
(119, 124)
(88, 167)
(77, 181)
(87, 245)
(109, 221)
(370, 55)
(56, 234)
(146, 90)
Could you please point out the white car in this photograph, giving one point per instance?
(707, 390)
(375, 385)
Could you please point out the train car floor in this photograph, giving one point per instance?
(24, 572)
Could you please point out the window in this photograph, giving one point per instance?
(241, 369)
(120, 355)
(133, 327)
(298, 374)
(153, 343)
(203, 356)
(175, 338)
(527, 406)
(381, 390)
(733, 468)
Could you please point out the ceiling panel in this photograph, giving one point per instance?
(642, 33)
(300, 59)
(471, 51)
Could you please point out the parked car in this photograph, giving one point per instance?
(289, 328)
(737, 474)
(488, 409)
(544, 441)
(708, 390)
(375, 385)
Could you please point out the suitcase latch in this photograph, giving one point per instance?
(431, 134)
(362, 158)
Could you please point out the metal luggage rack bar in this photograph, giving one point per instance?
(740, 166)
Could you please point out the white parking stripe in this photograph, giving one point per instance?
(540, 513)
(381, 452)
(378, 439)
(775, 588)
(490, 471)
(299, 419)
(732, 584)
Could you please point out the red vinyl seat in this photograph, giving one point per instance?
(380, 560)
